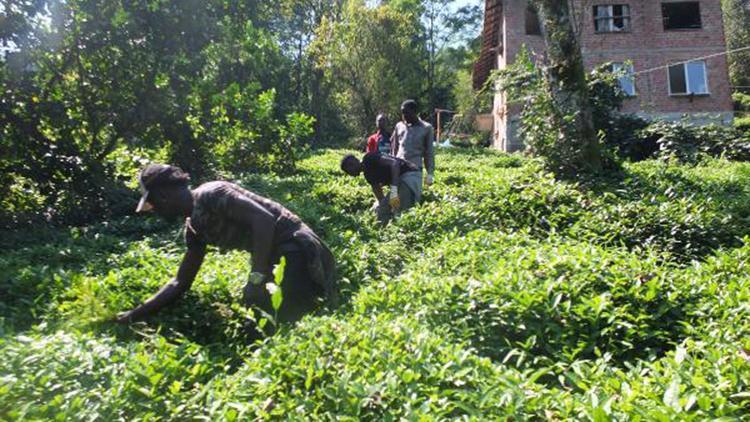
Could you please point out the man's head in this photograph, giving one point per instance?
(381, 122)
(409, 111)
(165, 190)
(351, 165)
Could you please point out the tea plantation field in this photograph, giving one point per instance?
(506, 294)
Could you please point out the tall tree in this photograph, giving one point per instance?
(296, 24)
(368, 56)
(444, 26)
(84, 78)
(565, 78)
(445, 29)
(737, 31)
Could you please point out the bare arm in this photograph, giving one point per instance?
(378, 191)
(173, 290)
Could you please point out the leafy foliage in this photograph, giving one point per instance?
(736, 14)
(244, 134)
(544, 127)
(87, 78)
(370, 57)
(742, 119)
(506, 294)
(687, 142)
(626, 136)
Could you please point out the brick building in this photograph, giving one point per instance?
(650, 34)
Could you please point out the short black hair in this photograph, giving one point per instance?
(158, 175)
(347, 158)
(410, 105)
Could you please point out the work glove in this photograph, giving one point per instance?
(254, 290)
(429, 179)
(257, 278)
(394, 200)
(123, 317)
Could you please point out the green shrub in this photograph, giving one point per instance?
(506, 294)
(742, 124)
(741, 101)
(541, 122)
(624, 134)
(243, 133)
(685, 141)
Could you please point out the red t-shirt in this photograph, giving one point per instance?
(376, 144)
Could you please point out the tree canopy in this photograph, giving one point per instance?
(92, 89)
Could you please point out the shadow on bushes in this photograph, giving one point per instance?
(37, 265)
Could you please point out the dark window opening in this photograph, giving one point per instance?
(533, 26)
(677, 80)
(612, 18)
(688, 78)
(681, 15)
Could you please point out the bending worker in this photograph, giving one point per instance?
(225, 215)
(382, 170)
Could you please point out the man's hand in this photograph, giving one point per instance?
(429, 180)
(394, 201)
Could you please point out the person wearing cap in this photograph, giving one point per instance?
(413, 140)
(230, 217)
(385, 170)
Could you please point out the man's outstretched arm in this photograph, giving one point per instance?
(173, 290)
(377, 190)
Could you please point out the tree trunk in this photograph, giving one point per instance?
(566, 80)
(317, 97)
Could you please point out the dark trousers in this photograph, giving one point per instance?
(300, 294)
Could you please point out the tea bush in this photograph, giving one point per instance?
(687, 142)
(505, 295)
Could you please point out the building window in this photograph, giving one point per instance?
(681, 15)
(627, 79)
(612, 18)
(688, 79)
(533, 26)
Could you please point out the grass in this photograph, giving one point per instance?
(506, 294)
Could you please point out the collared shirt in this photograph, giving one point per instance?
(415, 144)
(379, 141)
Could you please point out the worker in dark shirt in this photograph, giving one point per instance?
(225, 215)
(385, 170)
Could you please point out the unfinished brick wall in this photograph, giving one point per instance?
(647, 45)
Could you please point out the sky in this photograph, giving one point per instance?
(461, 3)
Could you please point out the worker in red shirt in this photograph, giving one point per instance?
(380, 141)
